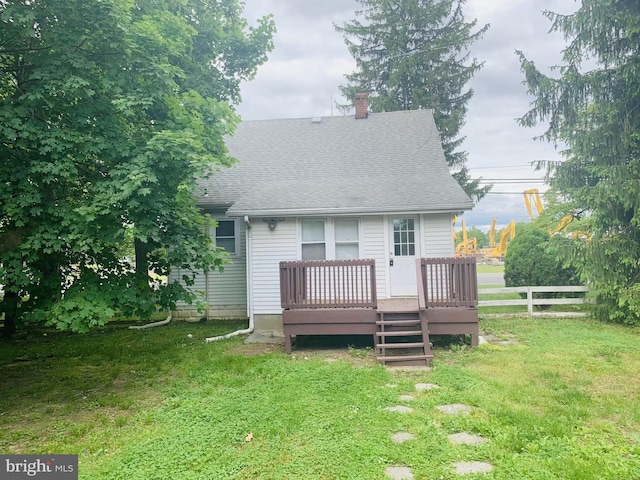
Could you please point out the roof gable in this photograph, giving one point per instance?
(388, 162)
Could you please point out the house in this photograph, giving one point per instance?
(366, 186)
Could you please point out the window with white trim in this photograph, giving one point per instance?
(226, 235)
(347, 239)
(313, 240)
(334, 239)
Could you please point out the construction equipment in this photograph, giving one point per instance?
(507, 234)
(468, 246)
(532, 197)
(492, 233)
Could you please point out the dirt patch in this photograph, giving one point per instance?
(252, 349)
(504, 340)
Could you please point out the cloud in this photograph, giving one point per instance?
(310, 59)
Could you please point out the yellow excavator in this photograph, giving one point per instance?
(507, 234)
(532, 197)
(468, 246)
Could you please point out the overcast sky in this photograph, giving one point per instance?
(310, 59)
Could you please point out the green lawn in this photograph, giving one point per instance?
(156, 404)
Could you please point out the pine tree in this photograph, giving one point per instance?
(413, 54)
(594, 108)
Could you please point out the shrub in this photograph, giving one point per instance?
(531, 261)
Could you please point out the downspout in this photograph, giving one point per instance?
(151, 325)
(249, 248)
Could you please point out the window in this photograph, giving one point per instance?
(347, 239)
(337, 239)
(226, 235)
(404, 239)
(313, 241)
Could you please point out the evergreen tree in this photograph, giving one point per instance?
(594, 108)
(413, 54)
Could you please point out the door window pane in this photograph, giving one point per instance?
(404, 237)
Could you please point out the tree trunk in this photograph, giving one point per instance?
(9, 306)
(142, 262)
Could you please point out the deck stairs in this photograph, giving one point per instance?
(400, 337)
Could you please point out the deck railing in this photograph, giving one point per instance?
(447, 282)
(328, 284)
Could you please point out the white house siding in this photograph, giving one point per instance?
(228, 289)
(226, 292)
(269, 249)
(437, 237)
(373, 235)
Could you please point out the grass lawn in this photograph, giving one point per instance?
(560, 401)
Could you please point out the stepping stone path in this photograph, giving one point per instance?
(400, 409)
(399, 473)
(421, 387)
(462, 468)
(402, 437)
(454, 409)
(463, 438)
(466, 439)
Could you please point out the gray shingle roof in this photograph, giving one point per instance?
(388, 162)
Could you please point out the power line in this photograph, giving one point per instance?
(506, 193)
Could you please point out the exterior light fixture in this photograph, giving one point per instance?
(272, 222)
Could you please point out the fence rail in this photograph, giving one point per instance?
(447, 282)
(328, 284)
(531, 300)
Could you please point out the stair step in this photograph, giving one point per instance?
(400, 345)
(399, 315)
(399, 333)
(400, 358)
(397, 323)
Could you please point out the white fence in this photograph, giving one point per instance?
(530, 301)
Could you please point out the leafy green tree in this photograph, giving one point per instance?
(413, 54)
(532, 260)
(594, 108)
(481, 237)
(109, 112)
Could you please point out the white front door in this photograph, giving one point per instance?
(405, 248)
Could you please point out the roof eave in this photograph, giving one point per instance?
(290, 212)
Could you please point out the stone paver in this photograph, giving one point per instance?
(399, 409)
(454, 409)
(464, 438)
(407, 398)
(399, 473)
(402, 437)
(463, 468)
(421, 387)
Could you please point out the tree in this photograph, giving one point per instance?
(595, 111)
(109, 113)
(413, 54)
(531, 260)
(481, 237)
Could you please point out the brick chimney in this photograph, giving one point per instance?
(362, 105)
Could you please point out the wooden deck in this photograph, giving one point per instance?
(398, 305)
(340, 298)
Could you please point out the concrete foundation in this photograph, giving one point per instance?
(269, 325)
